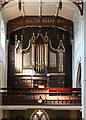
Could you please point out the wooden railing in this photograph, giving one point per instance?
(49, 96)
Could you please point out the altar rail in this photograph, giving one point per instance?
(49, 96)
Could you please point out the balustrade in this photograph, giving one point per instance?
(53, 96)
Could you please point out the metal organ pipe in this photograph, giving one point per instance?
(33, 55)
(46, 55)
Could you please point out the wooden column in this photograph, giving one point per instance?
(21, 57)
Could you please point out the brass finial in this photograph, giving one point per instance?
(60, 41)
(16, 37)
(63, 36)
(33, 34)
(57, 36)
(18, 41)
(21, 37)
(46, 33)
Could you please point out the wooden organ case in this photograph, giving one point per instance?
(40, 63)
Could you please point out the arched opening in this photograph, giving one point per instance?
(39, 115)
(78, 82)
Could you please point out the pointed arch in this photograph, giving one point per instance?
(78, 79)
(43, 115)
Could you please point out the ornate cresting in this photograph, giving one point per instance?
(39, 114)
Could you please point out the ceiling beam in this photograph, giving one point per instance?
(19, 5)
(79, 7)
(60, 4)
(40, 8)
(23, 25)
(66, 6)
(22, 8)
(5, 3)
(57, 6)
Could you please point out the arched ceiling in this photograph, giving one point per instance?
(39, 8)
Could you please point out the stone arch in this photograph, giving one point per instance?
(78, 79)
(39, 114)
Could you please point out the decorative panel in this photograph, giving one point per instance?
(26, 59)
(52, 59)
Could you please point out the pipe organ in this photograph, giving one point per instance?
(61, 50)
(40, 66)
(40, 58)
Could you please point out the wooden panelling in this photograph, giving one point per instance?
(23, 96)
(11, 60)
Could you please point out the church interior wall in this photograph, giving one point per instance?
(77, 51)
(3, 48)
(53, 114)
(77, 46)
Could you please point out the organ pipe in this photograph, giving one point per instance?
(33, 55)
(46, 55)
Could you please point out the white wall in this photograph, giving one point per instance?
(77, 46)
(3, 56)
(3, 48)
